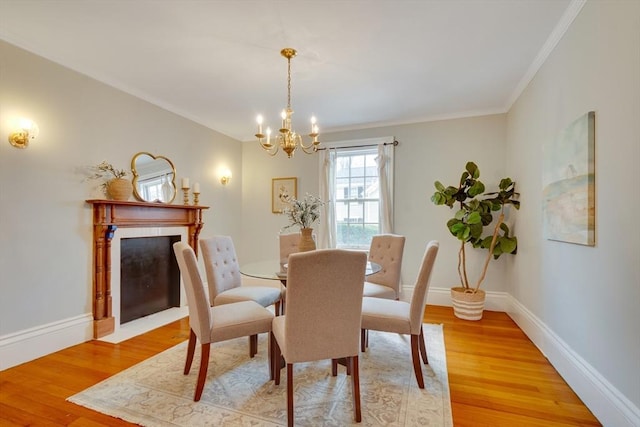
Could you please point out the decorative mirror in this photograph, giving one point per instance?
(153, 178)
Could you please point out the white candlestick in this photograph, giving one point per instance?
(185, 182)
(196, 187)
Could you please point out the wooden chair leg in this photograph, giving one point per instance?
(278, 309)
(334, 367)
(191, 349)
(415, 355)
(277, 355)
(423, 348)
(355, 381)
(253, 345)
(363, 340)
(270, 354)
(202, 374)
(289, 394)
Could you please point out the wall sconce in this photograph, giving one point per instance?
(27, 129)
(225, 177)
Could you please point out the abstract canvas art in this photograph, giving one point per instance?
(569, 183)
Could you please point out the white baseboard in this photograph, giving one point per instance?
(606, 402)
(494, 301)
(30, 344)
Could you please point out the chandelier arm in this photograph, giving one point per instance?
(271, 150)
(313, 148)
(306, 147)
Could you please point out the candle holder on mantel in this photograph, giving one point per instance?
(185, 192)
(196, 198)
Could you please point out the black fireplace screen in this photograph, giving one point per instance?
(149, 276)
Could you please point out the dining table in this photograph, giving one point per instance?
(271, 270)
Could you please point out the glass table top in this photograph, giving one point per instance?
(270, 270)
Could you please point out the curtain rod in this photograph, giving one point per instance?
(394, 143)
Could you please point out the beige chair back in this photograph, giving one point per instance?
(288, 245)
(387, 250)
(324, 304)
(199, 314)
(221, 265)
(419, 298)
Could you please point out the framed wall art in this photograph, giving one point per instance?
(569, 183)
(282, 190)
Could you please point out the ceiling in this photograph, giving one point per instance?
(360, 63)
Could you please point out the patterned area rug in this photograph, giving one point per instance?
(238, 391)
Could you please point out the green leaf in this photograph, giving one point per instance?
(508, 244)
(473, 170)
(439, 186)
(476, 188)
(463, 178)
(474, 218)
(460, 214)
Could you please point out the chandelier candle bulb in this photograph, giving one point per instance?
(259, 119)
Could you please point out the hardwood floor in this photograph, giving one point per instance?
(497, 377)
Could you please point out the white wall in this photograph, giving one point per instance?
(586, 296)
(45, 224)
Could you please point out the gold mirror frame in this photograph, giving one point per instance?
(153, 178)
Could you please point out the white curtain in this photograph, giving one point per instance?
(327, 226)
(385, 173)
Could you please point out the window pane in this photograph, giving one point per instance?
(371, 212)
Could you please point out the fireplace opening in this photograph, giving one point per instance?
(149, 276)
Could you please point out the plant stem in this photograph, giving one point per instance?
(490, 253)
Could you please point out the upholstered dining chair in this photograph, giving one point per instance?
(324, 301)
(386, 250)
(401, 317)
(225, 280)
(288, 245)
(214, 324)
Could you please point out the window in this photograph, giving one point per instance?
(357, 178)
(357, 199)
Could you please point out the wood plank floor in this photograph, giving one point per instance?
(497, 377)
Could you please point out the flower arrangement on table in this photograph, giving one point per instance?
(305, 212)
(106, 172)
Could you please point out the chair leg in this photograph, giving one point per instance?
(278, 309)
(277, 356)
(270, 354)
(423, 348)
(253, 345)
(364, 340)
(289, 394)
(334, 367)
(355, 381)
(415, 355)
(191, 349)
(202, 374)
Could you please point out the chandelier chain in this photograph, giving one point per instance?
(289, 83)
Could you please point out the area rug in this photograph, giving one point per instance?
(238, 391)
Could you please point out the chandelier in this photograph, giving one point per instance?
(287, 139)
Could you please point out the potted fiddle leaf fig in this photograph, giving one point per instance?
(475, 211)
